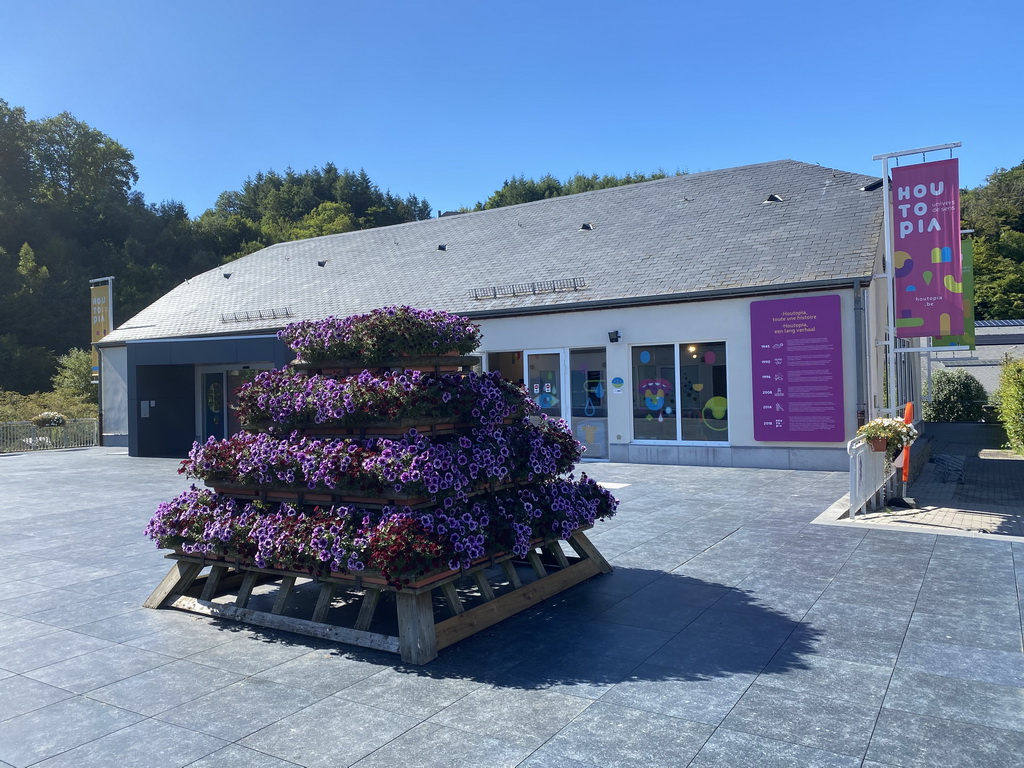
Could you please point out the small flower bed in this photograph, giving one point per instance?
(383, 334)
(445, 469)
(292, 399)
(895, 432)
(50, 419)
(404, 544)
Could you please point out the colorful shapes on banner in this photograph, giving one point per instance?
(952, 285)
(909, 322)
(944, 323)
(911, 288)
(645, 357)
(709, 358)
(942, 255)
(927, 277)
(906, 313)
(903, 263)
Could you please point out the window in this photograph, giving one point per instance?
(679, 392)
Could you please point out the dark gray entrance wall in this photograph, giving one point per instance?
(161, 386)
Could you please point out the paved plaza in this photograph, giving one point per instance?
(734, 631)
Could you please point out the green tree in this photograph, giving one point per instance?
(74, 375)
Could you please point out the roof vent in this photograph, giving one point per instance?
(586, 226)
(322, 263)
(772, 198)
(442, 247)
(227, 275)
(872, 186)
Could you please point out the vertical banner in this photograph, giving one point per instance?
(926, 251)
(796, 348)
(966, 339)
(101, 300)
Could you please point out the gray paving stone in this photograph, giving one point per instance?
(705, 699)
(621, 737)
(435, 746)
(912, 740)
(157, 690)
(42, 651)
(857, 683)
(528, 718)
(246, 657)
(89, 671)
(329, 733)
(952, 698)
(56, 728)
(234, 756)
(729, 749)
(410, 691)
(21, 694)
(150, 743)
(997, 632)
(981, 664)
(802, 718)
(239, 709)
(588, 677)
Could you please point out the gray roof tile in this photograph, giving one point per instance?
(683, 234)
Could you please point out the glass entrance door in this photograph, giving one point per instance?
(589, 386)
(544, 382)
(214, 406)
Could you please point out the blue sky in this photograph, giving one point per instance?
(448, 99)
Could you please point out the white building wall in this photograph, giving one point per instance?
(725, 320)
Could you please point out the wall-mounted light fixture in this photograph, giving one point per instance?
(614, 336)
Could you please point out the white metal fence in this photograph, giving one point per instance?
(872, 481)
(26, 436)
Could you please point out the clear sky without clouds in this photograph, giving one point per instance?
(448, 99)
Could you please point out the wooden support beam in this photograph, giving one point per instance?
(579, 542)
(538, 565)
(555, 549)
(287, 582)
(416, 638)
(511, 574)
(475, 619)
(299, 626)
(367, 608)
(323, 602)
(177, 580)
(483, 584)
(451, 596)
(212, 582)
(245, 591)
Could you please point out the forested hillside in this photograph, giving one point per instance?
(69, 213)
(995, 211)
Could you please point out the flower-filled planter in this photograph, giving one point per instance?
(391, 472)
(888, 435)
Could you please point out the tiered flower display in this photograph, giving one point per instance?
(482, 472)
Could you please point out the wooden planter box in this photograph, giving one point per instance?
(420, 635)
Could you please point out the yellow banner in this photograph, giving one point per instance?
(100, 296)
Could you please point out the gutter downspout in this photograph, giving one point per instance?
(860, 332)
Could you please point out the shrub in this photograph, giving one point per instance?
(1011, 402)
(956, 396)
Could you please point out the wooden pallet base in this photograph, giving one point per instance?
(493, 591)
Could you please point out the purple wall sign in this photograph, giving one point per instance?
(796, 349)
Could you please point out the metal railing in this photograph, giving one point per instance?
(18, 436)
(873, 481)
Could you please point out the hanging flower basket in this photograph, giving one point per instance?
(878, 444)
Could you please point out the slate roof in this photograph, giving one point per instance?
(678, 238)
